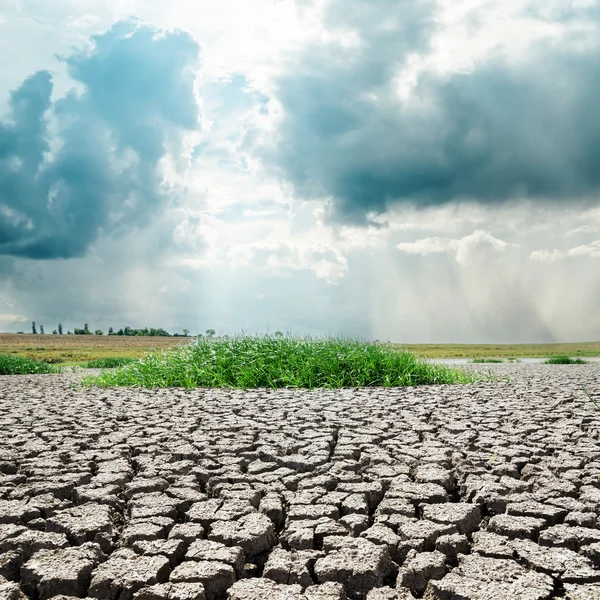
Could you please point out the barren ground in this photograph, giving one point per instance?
(482, 492)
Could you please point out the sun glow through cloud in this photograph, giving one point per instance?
(413, 170)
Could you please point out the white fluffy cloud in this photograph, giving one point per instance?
(591, 250)
(479, 246)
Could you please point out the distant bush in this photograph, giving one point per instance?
(565, 360)
(111, 362)
(99, 332)
(17, 365)
(487, 360)
(150, 332)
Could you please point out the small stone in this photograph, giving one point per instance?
(10, 590)
(142, 532)
(203, 550)
(465, 517)
(428, 531)
(16, 511)
(492, 545)
(355, 523)
(141, 485)
(551, 514)
(355, 504)
(568, 536)
(124, 573)
(82, 523)
(359, 568)
(592, 551)
(288, 567)
(62, 571)
(326, 591)
(272, 507)
(173, 549)
(380, 534)
(572, 567)
(395, 506)
(581, 592)
(387, 593)
(417, 571)
(581, 519)
(264, 589)
(300, 512)
(188, 532)
(29, 542)
(254, 533)
(479, 578)
(187, 591)
(452, 545)
(515, 527)
(216, 577)
(10, 565)
(432, 474)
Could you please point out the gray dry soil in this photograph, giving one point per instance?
(481, 492)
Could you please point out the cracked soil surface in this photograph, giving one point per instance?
(477, 492)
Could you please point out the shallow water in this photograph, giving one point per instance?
(526, 361)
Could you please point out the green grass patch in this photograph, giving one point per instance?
(17, 365)
(565, 360)
(281, 362)
(487, 360)
(111, 362)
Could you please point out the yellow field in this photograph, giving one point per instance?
(504, 350)
(81, 348)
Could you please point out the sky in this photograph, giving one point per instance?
(416, 171)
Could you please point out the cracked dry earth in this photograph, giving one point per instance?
(479, 492)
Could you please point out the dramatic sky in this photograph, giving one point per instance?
(410, 170)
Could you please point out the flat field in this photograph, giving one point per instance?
(504, 350)
(81, 348)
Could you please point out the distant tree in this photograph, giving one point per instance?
(99, 332)
(41, 329)
(84, 331)
(110, 331)
(120, 332)
(186, 332)
(210, 332)
(54, 332)
(69, 333)
(278, 334)
(33, 329)
(60, 329)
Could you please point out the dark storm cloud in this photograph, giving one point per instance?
(89, 162)
(504, 130)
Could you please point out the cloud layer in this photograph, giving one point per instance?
(91, 162)
(412, 170)
(504, 129)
